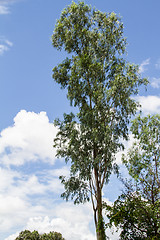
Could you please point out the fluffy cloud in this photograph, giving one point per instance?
(31, 199)
(27, 193)
(27, 188)
(23, 196)
(150, 104)
(74, 222)
(143, 64)
(29, 139)
(19, 211)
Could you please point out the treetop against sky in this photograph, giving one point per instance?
(30, 101)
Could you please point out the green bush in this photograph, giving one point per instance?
(27, 235)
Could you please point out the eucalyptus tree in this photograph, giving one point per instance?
(137, 211)
(100, 83)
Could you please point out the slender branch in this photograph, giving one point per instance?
(92, 195)
(104, 175)
(93, 187)
(139, 229)
(156, 165)
(152, 191)
(93, 204)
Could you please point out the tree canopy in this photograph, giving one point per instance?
(27, 235)
(137, 210)
(101, 84)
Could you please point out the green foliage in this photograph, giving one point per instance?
(143, 158)
(27, 235)
(136, 217)
(101, 84)
(76, 189)
(51, 236)
(137, 210)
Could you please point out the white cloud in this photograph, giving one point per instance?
(155, 83)
(14, 210)
(143, 64)
(4, 44)
(29, 139)
(31, 200)
(74, 222)
(150, 104)
(4, 6)
(3, 9)
(7, 179)
(17, 211)
(3, 48)
(12, 237)
(25, 196)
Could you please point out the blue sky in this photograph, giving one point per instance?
(30, 101)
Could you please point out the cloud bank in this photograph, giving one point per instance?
(30, 199)
(29, 185)
(29, 139)
(149, 104)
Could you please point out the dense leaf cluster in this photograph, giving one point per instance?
(27, 235)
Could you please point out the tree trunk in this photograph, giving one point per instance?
(100, 229)
(100, 223)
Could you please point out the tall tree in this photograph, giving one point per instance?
(100, 84)
(137, 210)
